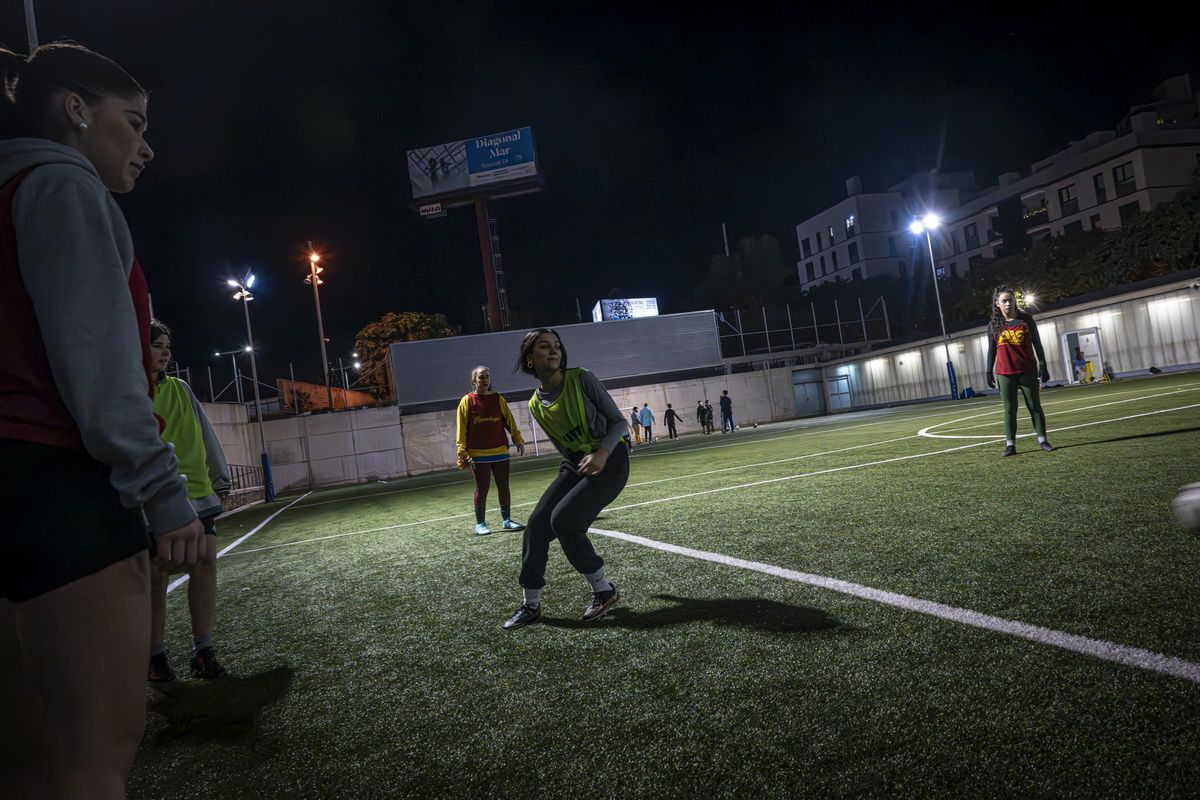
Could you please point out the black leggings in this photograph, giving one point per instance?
(568, 507)
(483, 472)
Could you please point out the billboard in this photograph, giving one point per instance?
(439, 370)
(625, 308)
(459, 167)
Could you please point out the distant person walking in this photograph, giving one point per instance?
(708, 417)
(635, 425)
(726, 412)
(671, 417)
(646, 417)
(701, 416)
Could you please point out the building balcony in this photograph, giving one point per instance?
(1036, 216)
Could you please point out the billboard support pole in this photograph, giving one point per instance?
(483, 225)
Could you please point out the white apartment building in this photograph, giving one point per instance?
(1097, 183)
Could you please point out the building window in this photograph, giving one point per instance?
(896, 215)
(891, 246)
(833, 256)
(831, 240)
(853, 248)
(953, 269)
(820, 244)
(1095, 222)
(971, 234)
(1073, 227)
(1129, 211)
(974, 261)
(806, 246)
(1124, 179)
(850, 226)
(1068, 200)
(1101, 193)
(823, 270)
(903, 269)
(856, 273)
(812, 276)
(954, 241)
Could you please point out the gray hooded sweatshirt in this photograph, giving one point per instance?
(76, 256)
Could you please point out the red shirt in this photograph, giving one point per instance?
(1014, 350)
(31, 408)
(485, 422)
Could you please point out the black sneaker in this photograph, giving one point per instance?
(160, 670)
(526, 615)
(205, 665)
(1049, 448)
(602, 603)
(1010, 450)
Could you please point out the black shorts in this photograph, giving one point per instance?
(62, 520)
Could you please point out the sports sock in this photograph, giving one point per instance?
(532, 597)
(598, 582)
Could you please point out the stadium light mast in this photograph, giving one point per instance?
(243, 294)
(31, 26)
(313, 272)
(924, 225)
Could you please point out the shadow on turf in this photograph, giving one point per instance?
(742, 612)
(227, 709)
(1130, 438)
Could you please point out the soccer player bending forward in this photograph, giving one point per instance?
(583, 422)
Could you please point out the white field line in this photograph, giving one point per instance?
(717, 490)
(1097, 648)
(926, 431)
(175, 584)
(807, 430)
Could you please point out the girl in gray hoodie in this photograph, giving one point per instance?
(83, 470)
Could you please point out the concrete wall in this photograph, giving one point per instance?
(378, 443)
(229, 420)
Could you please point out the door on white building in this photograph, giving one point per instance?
(839, 392)
(810, 394)
(1083, 345)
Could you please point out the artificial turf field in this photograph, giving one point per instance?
(749, 677)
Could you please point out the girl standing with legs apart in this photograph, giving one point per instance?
(583, 422)
(483, 417)
(1014, 355)
(82, 465)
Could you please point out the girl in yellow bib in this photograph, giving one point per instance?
(584, 424)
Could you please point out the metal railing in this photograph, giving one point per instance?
(245, 477)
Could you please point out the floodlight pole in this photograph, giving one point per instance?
(31, 26)
(937, 292)
(493, 271)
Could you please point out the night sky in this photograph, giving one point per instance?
(278, 122)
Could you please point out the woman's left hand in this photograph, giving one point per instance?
(593, 463)
(520, 449)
